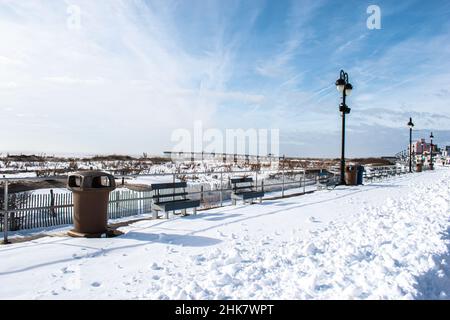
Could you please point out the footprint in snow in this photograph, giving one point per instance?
(171, 250)
(96, 284)
(67, 270)
(155, 266)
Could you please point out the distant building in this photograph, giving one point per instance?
(421, 147)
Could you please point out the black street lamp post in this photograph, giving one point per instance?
(423, 153)
(411, 126)
(346, 88)
(431, 151)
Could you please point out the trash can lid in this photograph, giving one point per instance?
(90, 180)
(90, 173)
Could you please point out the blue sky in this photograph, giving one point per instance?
(135, 71)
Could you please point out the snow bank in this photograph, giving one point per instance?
(382, 241)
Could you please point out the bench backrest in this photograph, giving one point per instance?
(174, 194)
(241, 180)
(242, 184)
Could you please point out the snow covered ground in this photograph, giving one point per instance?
(386, 240)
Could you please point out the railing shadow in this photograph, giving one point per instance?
(383, 185)
(220, 217)
(173, 239)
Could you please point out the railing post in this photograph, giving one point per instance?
(173, 190)
(201, 194)
(52, 203)
(117, 200)
(304, 181)
(5, 214)
(221, 189)
(300, 181)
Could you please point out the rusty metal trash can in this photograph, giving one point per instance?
(90, 202)
(419, 167)
(351, 175)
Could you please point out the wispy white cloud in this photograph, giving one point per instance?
(11, 61)
(65, 80)
(350, 43)
(299, 15)
(124, 65)
(8, 85)
(142, 68)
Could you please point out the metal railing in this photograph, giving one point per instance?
(372, 173)
(29, 211)
(22, 211)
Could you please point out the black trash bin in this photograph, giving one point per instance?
(90, 202)
(360, 179)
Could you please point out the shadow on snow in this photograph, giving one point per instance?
(435, 283)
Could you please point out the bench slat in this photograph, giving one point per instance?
(243, 187)
(160, 186)
(248, 195)
(177, 205)
(169, 201)
(168, 195)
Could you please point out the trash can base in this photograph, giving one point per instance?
(109, 233)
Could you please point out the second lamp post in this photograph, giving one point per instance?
(431, 151)
(345, 88)
(411, 126)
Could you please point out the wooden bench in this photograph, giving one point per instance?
(173, 200)
(243, 189)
